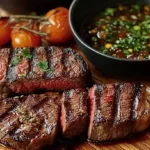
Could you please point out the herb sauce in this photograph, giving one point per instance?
(123, 31)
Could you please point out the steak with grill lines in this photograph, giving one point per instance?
(118, 110)
(26, 70)
(74, 113)
(29, 122)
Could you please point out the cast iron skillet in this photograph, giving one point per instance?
(82, 10)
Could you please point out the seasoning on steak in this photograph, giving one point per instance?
(26, 70)
(74, 113)
(29, 122)
(111, 111)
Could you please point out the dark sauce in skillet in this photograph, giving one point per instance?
(122, 31)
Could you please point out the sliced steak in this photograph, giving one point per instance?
(26, 70)
(123, 124)
(110, 111)
(102, 99)
(74, 113)
(141, 108)
(29, 122)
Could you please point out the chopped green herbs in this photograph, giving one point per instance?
(109, 11)
(126, 52)
(136, 27)
(25, 53)
(43, 65)
(123, 31)
(137, 7)
(94, 39)
(15, 61)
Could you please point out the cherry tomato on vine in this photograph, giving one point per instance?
(24, 37)
(58, 30)
(5, 31)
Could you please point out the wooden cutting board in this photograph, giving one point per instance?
(137, 142)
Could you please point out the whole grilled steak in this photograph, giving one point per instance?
(74, 113)
(118, 110)
(27, 70)
(29, 122)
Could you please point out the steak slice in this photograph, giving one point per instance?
(29, 122)
(74, 113)
(110, 111)
(47, 68)
(102, 99)
(125, 97)
(141, 108)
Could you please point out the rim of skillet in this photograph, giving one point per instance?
(71, 10)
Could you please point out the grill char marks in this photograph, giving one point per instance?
(67, 70)
(7, 104)
(74, 113)
(32, 123)
(11, 72)
(74, 64)
(9, 121)
(38, 57)
(60, 69)
(123, 124)
(55, 58)
(141, 108)
(101, 112)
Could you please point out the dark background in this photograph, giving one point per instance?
(26, 6)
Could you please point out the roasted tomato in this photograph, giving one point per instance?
(5, 31)
(22, 37)
(58, 30)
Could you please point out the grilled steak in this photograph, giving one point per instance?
(74, 113)
(117, 110)
(102, 99)
(29, 122)
(141, 108)
(27, 70)
(123, 125)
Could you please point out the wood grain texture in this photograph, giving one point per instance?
(137, 142)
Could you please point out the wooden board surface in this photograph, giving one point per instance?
(137, 142)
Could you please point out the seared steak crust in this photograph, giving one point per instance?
(29, 122)
(74, 113)
(48, 68)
